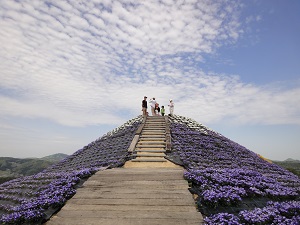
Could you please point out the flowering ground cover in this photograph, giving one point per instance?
(33, 199)
(233, 184)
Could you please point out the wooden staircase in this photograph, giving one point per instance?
(151, 146)
(151, 142)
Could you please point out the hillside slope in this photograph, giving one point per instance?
(233, 184)
(33, 199)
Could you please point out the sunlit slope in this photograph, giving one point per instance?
(231, 183)
(228, 178)
(33, 199)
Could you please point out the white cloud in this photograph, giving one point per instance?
(86, 63)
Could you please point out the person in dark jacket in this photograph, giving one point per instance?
(144, 106)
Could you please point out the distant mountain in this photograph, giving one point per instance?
(55, 157)
(293, 165)
(11, 168)
(292, 160)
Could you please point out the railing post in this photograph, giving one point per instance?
(168, 135)
(137, 135)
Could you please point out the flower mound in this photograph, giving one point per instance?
(33, 199)
(227, 177)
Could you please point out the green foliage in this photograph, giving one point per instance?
(292, 166)
(4, 179)
(11, 168)
(32, 166)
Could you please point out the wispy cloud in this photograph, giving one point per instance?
(83, 63)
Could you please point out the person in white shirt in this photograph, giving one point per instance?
(152, 102)
(171, 107)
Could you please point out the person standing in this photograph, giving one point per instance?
(162, 110)
(144, 106)
(171, 107)
(152, 102)
(157, 109)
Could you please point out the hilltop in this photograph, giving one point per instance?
(55, 157)
(292, 160)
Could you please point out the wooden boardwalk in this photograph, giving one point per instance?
(131, 196)
(148, 190)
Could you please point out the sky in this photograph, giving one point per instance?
(71, 71)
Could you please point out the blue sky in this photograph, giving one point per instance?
(72, 71)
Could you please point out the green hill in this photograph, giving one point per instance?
(55, 157)
(11, 168)
(291, 165)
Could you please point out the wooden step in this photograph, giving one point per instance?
(152, 139)
(152, 135)
(162, 140)
(149, 160)
(149, 155)
(155, 117)
(151, 150)
(145, 146)
(155, 123)
(155, 127)
(151, 143)
(154, 132)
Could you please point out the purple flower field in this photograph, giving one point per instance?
(233, 184)
(33, 199)
(225, 175)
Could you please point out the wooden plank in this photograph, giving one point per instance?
(169, 208)
(134, 196)
(122, 221)
(142, 214)
(133, 143)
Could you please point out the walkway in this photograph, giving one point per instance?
(148, 190)
(133, 196)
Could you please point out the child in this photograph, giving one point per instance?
(162, 110)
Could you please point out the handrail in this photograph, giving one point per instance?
(137, 135)
(168, 135)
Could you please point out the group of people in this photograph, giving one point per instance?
(155, 109)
